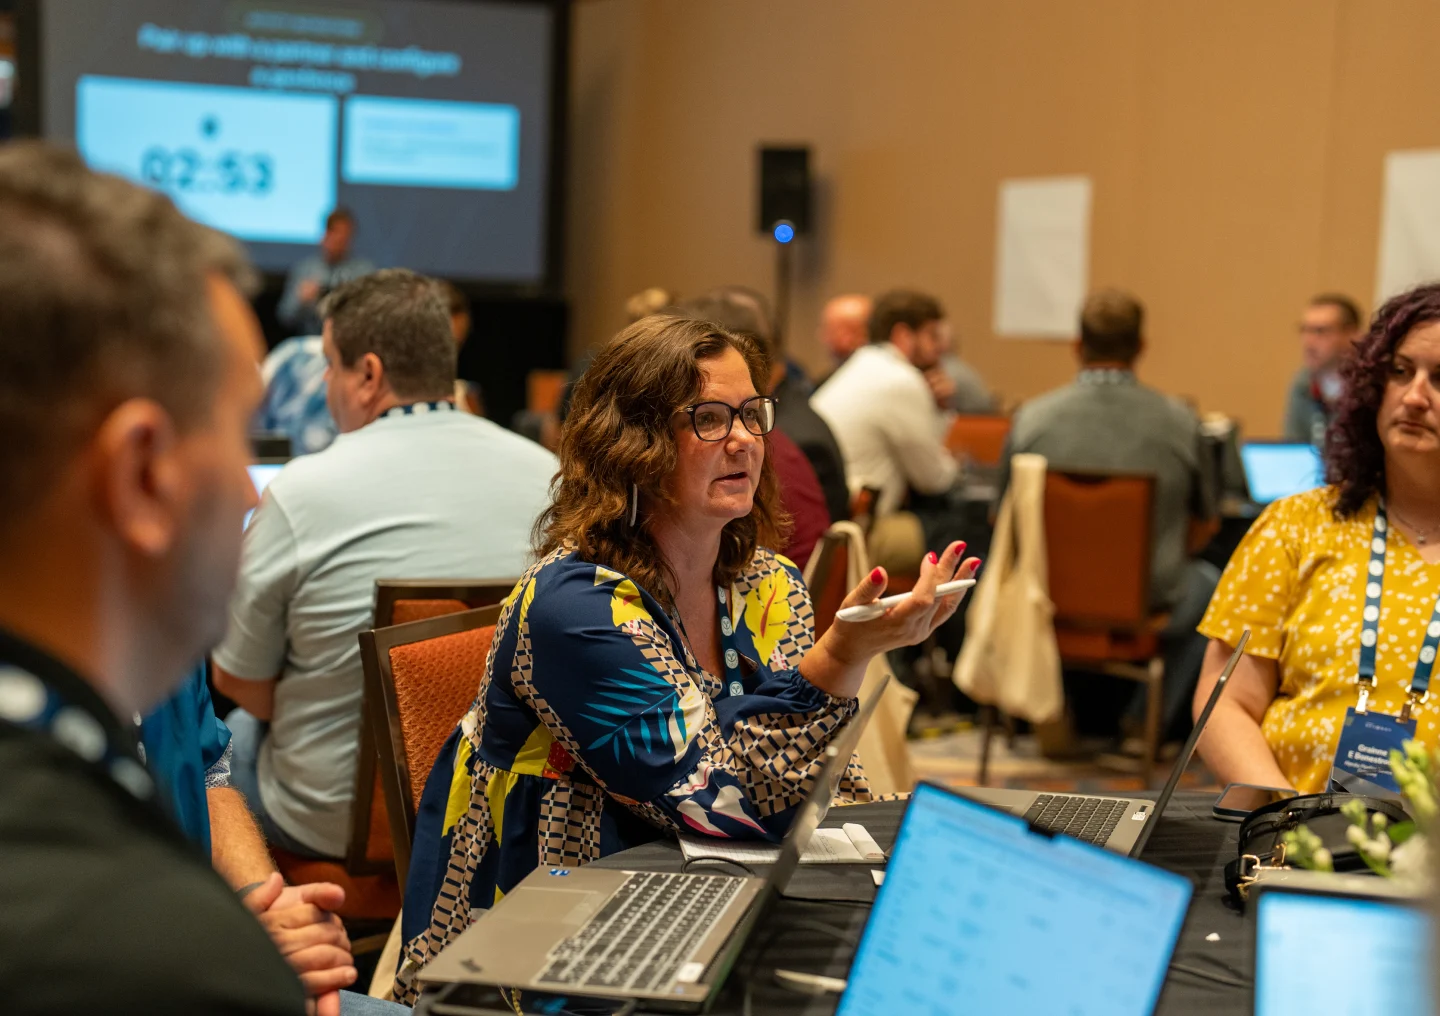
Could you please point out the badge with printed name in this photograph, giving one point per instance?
(1366, 740)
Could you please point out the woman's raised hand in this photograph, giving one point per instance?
(837, 663)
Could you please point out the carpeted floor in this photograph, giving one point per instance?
(953, 759)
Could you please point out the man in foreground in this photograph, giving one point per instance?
(127, 381)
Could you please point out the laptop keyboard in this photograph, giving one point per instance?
(1091, 819)
(643, 934)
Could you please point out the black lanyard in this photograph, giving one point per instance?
(1370, 629)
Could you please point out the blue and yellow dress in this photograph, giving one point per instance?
(595, 730)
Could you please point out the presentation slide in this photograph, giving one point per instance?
(428, 119)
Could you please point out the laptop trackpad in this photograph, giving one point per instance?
(551, 906)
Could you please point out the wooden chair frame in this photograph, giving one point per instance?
(385, 730)
(388, 592)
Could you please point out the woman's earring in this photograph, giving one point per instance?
(634, 503)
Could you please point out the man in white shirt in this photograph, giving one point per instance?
(881, 408)
(410, 489)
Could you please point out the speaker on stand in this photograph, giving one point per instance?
(784, 215)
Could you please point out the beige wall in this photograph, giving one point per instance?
(1236, 150)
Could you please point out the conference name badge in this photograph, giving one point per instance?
(1366, 740)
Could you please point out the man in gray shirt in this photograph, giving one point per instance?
(1106, 421)
(412, 488)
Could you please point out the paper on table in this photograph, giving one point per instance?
(1409, 223)
(1042, 260)
(827, 846)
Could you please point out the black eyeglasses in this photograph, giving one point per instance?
(713, 420)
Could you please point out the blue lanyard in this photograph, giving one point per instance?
(731, 655)
(1370, 629)
(419, 408)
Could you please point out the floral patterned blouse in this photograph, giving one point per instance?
(595, 730)
(1297, 581)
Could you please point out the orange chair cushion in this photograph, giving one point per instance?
(1097, 541)
(367, 897)
(980, 438)
(1091, 646)
(420, 610)
(832, 592)
(435, 682)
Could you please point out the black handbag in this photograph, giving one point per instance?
(1262, 835)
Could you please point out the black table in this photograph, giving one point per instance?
(819, 937)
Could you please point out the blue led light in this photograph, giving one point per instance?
(784, 232)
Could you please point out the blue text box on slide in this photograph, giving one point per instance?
(424, 143)
(259, 165)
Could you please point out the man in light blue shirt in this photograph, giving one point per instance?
(411, 488)
(311, 279)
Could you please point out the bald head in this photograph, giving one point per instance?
(844, 325)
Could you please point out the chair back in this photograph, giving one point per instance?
(423, 676)
(862, 508)
(1097, 539)
(398, 601)
(979, 438)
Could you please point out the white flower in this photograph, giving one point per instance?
(1410, 861)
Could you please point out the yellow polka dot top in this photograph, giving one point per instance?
(1297, 581)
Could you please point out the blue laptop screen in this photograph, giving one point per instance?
(977, 911)
(1299, 938)
(1273, 471)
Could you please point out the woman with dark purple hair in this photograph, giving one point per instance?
(1340, 586)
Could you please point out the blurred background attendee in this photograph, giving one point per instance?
(311, 279)
(1107, 421)
(883, 414)
(958, 387)
(845, 326)
(1330, 326)
(1320, 578)
(294, 402)
(468, 396)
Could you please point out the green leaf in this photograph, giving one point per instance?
(1402, 831)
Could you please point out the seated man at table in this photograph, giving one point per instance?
(411, 488)
(1107, 421)
(891, 431)
(127, 383)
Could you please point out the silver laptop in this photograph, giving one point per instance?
(1121, 824)
(657, 938)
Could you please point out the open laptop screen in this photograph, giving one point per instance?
(261, 473)
(1273, 471)
(1300, 936)
(977, 906)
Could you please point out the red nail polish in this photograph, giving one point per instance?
(877, 575)
(932, 558)
(960, 547)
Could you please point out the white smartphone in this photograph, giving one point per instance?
(870, 611)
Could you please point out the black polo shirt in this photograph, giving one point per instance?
(105, 907)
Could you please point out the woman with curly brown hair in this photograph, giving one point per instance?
(657, 669)
(1339, 585)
